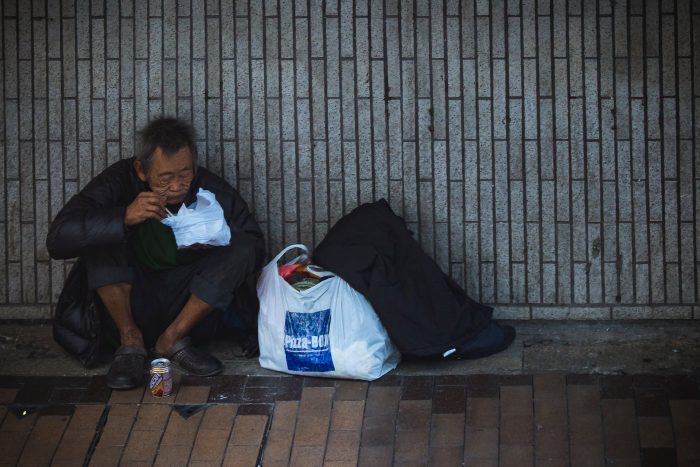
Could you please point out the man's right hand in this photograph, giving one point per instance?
(147, 205)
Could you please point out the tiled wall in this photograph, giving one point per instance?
(543, 151)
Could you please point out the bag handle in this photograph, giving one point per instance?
(290, 247)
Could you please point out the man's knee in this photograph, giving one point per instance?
(107, 266)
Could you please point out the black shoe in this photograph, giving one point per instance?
(192, 360)
(126, 370)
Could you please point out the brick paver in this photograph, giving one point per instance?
(545, 420)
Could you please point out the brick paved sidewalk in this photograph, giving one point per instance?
(480, 420)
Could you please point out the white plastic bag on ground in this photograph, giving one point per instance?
(203, 223)
(329, 330)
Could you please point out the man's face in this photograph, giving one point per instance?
(170, 175)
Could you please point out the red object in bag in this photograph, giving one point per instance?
(287, 270)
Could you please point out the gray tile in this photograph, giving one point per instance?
(348, 100)
(26, 173)
(468, 29)
(487, 283)
(456, 227)
(422, 57)
(641, 282)
(530, 101)
(169, 28)
(515, 80)
(686, 181)
(653, 101)
(577, 313)
(610, 247)
(471, 182)
(517, 222)
(606, 64)
(636, 57)
(549, 286)
(515, 136)
(671, 220)
(486, 229)
(544, 43)
(347, 33)
(548, 221)
(656, 262)
(316, 27)
(529, 28)
(575, 58)
(559, 26)
(483, 47)
(13, 221)
(41, 195)
(127, 57)
(410, 182)
(426, 218)
(607, 144)
(350, 178)
(501, 180)
(28, 265)
(440, 195)
(441, 243)
(624, 182)
(14, 284)
(580, 283)
(380, 177)
(242, 44)
(685, 99)
(563, 181)
(546, 140)
(655, 176)
(668, 53)
(638, 140)
(454, 81)
(579, 240)
(287, 104)
(673, 283)
(498, 46)
(641, 241)
(364, 139)
(503, 282)
(688, 278)
(591, 99)
(669, 138)
(622, 110)
(564, 268)
(473, 271)
(439, 107)
(469, 99)
(595, 285)
(626, 271)
(332, 56)
(532, 181)
(318, 99)
(499, 99)
(534, 283)
(394, 141)
(485, 142)
(214, 59)
(362, 57)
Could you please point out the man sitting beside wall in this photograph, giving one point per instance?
(155, 295)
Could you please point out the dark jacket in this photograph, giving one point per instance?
(424, 311)
(94, 219)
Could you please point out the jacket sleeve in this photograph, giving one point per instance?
(92, 218)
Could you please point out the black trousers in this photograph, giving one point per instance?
(223, 277)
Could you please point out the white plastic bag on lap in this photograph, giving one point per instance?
(328, 330)
(202, 223)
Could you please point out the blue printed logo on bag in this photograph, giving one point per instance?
(306, 341)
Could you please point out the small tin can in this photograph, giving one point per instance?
(161, 383)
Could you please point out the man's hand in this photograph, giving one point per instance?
(147, 205)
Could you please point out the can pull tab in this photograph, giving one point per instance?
(447, 353)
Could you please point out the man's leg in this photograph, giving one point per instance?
(110, 276)
(192, 313)
(214, 279)
(117, 300)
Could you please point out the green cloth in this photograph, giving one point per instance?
(154, 245)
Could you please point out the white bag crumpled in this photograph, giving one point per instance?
(328, 330)
(202, 223)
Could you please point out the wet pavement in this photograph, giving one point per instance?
(565, 393)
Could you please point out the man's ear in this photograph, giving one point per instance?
(138, 167)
